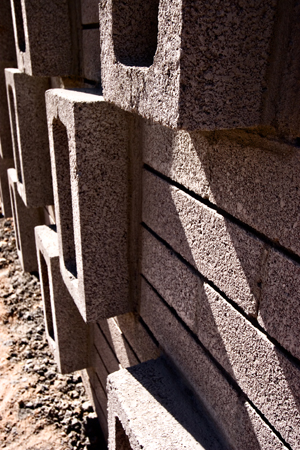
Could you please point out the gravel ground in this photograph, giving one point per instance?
(39, 408)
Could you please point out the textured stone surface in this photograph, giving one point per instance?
(156, 410)
(118, 342)
(160, 69)
(25, 219)
(242, 425)
(28, 123)
(253, 178)
(223, 252)
(4, 188)
(67, 333)
(43, 37)
(91, 55)
(280, 301)
(88, 146)
(90, 11)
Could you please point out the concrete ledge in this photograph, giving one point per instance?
(88, 145)
(26, 101)
(25, 219)
(150, 407)
(43, 38)
(5, 164)
(67, 333)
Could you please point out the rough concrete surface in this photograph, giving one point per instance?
(253, 178)
(239, 421)
(25, 219)
(222, 251)
(91, 55)
(67, 333)
(88, 146)
(156, 410)
(28, 124)
(6, 150)
(43, 37)
(199, 79)
(90, 11)
(5, 164)
(7, 44)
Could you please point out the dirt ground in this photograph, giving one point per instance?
(39, 408)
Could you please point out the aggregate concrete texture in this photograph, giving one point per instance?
(88, 146)
(222, 251)
(7, 43)
(253, 178)
(25, 220)
(90, 12)
(193, 65)
(150, 407)
(6, 150)
(43, 38)
(5, 164)
(239, 421)
(67, 333)
(28, 124)
(91, 55)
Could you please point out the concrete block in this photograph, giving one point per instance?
(219, 249)
(43, 38)
(138, 337)
(5, 164)
(91, 55)
(157, 67)
(88, 145)
(28, 122)
(118, 342)
(253, 178)
(7, 43)
(149, 406)
(243, 427)
(280, 301)
(105, 351)
(67, 333)
(90, 12)
(100, 369)
(6, 150)
(25, 219)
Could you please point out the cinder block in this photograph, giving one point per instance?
(67, 333)
(223, 252)
(138, 337)
(43, 37)
(89, 140)
(255, 179)
(280, 301)
(222, 75)
(101, 371)
(5, 164)
(118, 342)
(7, 43)
(90, 11)
(25, 219)
(28, 122)
(108, 356)
(150, 407)
(6, 150)
(91, 55)
(237, 418)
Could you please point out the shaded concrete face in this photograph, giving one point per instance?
(5, 164)
(67, 333)
(199, 79)
(28, 124)
(25, 219)
(150, 407)
(55, 40)
(89, 143)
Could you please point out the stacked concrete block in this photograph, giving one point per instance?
(90, 40)
(5, 164)
(67, 333)
(88, 145)
(25, 219)
(157, 67)
(30, 138)
(45, 37)
(150, 407)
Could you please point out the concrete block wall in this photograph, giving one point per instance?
(171, 248)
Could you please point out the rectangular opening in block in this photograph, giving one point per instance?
(14, 134)
(13, 206)
(62, 163)
(20, 25)
(135, 28)
(46, 296)
(122, 441)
